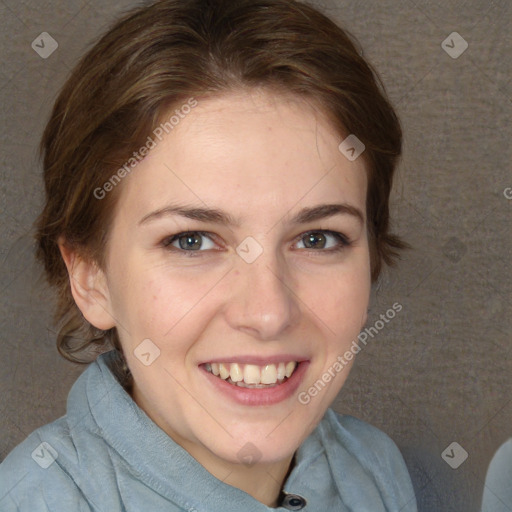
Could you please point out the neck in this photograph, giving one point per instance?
(262, 481)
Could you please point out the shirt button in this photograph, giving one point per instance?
(293, 502)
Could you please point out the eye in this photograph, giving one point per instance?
(189, 241)
(330, 241)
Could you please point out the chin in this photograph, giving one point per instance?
(260, 448)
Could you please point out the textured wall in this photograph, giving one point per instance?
(439, 371)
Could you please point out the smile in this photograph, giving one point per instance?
(251, 375)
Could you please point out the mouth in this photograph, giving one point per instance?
(253, 376)
(264, 384)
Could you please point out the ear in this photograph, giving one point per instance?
(89, 288)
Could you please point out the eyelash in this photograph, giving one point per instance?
(343, 242)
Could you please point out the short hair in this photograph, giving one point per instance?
(157, 57)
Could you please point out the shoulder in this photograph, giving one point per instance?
(504, 454)
(361, 437)
(35, 472)
(497, 488)
(68, 464)
(374, 452)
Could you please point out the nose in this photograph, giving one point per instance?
(262, 302)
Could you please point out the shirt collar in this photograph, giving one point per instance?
(163, 465)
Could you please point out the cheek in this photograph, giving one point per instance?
(343, 303)
(141, 302)
(158, 305)
(165, 305)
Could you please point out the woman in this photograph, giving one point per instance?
(217, 177)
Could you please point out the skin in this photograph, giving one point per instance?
(260, 157)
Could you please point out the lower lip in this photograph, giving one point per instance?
(260, 396)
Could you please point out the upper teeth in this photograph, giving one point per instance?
(251, 373)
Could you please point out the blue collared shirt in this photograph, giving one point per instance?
(107, 455)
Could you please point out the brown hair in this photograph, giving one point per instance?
(159, 56)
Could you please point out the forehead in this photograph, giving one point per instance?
(251, 152)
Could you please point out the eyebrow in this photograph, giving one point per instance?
(216, 216)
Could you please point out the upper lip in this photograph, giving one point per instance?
(258, 360)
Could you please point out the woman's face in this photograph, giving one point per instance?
(259, 282)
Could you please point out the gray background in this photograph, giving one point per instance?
(439, 372)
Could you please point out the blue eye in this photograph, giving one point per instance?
(192, 243)
(324, 239)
